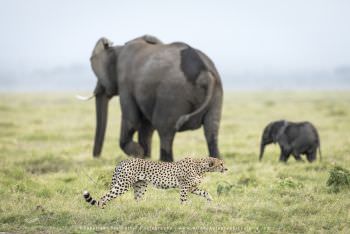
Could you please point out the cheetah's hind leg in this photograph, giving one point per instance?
(115, 191)
(140, 188)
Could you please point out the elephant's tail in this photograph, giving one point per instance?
(318, 142)
(211, 85)
(319, 151)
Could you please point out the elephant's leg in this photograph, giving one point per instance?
(311, 155)
(287, 157)
(131, 121)
(211, 136)
(145, 138)
(211, 125)
(126, 143)
(286, 150)
(284, 155)
(166, 146)
(298, 157)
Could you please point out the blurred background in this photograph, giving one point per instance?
(256, 45)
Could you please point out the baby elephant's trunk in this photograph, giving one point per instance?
(262, 149)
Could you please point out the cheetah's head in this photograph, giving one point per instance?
(213, 165)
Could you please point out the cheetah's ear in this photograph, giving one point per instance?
(211, 164)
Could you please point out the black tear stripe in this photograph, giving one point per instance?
(191, 64)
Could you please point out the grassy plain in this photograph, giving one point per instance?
(46, 163)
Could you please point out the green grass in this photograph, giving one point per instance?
(46, 163)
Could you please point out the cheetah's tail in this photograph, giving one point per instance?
(89, 199)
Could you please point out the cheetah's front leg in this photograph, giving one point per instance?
(188, 185)
(183, 195)
(202, 193)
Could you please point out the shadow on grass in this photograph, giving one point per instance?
(46, 164)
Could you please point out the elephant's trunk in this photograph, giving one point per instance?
(262, 149)
(101, 122)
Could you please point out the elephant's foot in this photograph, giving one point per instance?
(310, 160)
(283, 160)
(134, 149)
(299, 159)
(166, 156)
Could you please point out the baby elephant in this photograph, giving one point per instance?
(293, 138)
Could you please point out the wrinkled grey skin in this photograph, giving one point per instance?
(293, 138)
(155, 94)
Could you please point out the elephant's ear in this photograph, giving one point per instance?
(101, 45)
(106, 42)
(103, 63)
(283, 125)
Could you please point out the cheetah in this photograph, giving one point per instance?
(185, 174)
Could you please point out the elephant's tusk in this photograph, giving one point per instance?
(82, 98)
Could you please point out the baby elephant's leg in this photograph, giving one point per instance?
(298, 157)
(140, 188)
(202, 193)
(311, 156)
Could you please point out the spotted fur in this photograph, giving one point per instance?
(137, 173)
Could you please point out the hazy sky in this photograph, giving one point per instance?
(237, 35)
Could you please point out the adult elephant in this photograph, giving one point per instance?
(164, 87)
